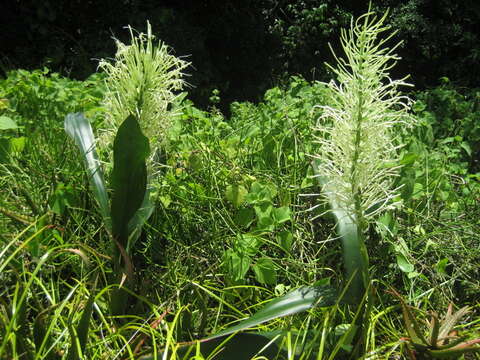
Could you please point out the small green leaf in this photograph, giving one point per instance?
(236, 264)
(263, 210)
(465, 146)
(17, 144)
(403, 263)
(244, 217)
(236, 194)
(7, 123)
(248, 244)
(266, 224)
(282, 214)
(441, 266)
(265, 272)
(166, 200)
(285, 240)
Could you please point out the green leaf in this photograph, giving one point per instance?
(294, 302)
(441, 266)
(244, 217)
(260, 193)
(236, 194)
(7, 123)
(285, 240)
(236, 264)
(17, 144)
(265, 272)
(79, 129)
(263, 210)
(248, 244)
(408, 159)
(282, 214)
(139, 219)
(129, 176)
(465, 146)
(354, 251)
(403, 263)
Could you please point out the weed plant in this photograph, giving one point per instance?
(230, 230)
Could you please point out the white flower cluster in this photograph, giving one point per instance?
(357, 159)
(142, 81)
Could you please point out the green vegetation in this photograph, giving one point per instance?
(133, 223)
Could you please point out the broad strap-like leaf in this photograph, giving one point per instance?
(354, 251)
(294, 302)
(78, 128)
(129, 176)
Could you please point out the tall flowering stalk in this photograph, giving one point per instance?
(142, 81)
(357, 158)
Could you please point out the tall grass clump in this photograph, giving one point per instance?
(357, 162)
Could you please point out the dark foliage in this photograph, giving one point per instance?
(240, 47)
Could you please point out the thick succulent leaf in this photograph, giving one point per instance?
(451, 320)
(435, 329)
(129, 176)
(411, 324)
(78, 128)
(457, 351)
(294, 302)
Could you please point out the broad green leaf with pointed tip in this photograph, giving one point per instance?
(236, 264)
(294, 302)
(403, 263)
(265, 272)
(282, 214)
(129, 176)
(79, 129)
(285, 240)
(7, 123)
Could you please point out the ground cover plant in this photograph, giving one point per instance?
(133, 224)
